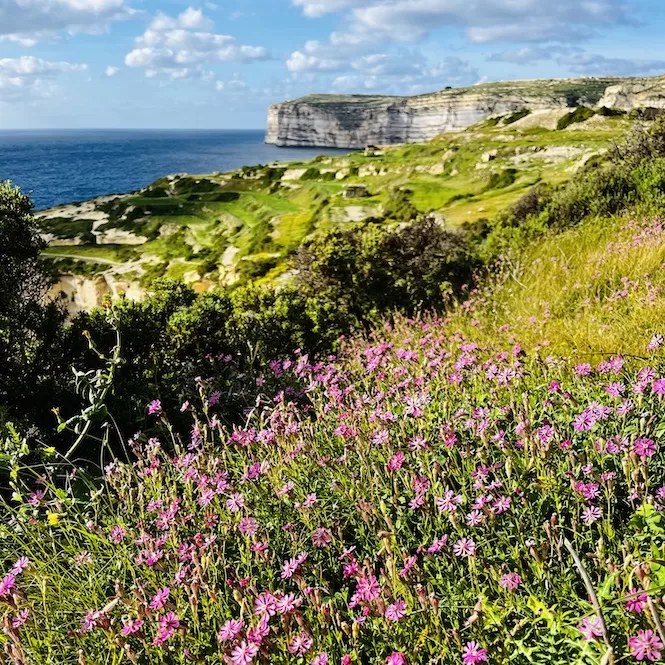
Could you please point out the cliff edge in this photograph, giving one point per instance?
(355, 121)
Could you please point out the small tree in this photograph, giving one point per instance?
(30, 326)
(372, 270)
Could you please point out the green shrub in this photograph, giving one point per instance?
(399, 207)
(580, 114)
(501, 179)
(311, 174)
(610, 112)
(518, 115)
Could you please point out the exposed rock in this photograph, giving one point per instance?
(356, 192)
(353, 213)
(118, 237)
(635, 93)
(55, 241)
(230, 253)
(84, 293)
(354, 121)
(293, 174)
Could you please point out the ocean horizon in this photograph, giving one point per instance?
(59, 166)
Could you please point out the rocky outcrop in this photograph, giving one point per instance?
(81, 294)
(636, 93)
(355, 121)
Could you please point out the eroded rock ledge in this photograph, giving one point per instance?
(355, 121)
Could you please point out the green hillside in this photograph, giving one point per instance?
(328, 474)
(231, 228)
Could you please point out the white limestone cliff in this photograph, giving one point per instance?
(636, 93)
(355, 121)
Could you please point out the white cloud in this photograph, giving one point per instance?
(28, 21)
(111, 71)
(525, 55)
(581, 62)
(316, 8)
(592, 64)
(182, 46)
(28, 77)
(482, 20)
(235, 85)
(401, 71)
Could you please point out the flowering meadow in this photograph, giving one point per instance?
(446, 490)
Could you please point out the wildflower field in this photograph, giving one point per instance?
(485, 486)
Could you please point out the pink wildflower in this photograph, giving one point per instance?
(300, 644)
(658, 387)
(236, 502)
(20, 618)
(590, 515)
(396, 658)
(321, 659)
(118, 533)
(168, 624)
(7, 584)
(655, 343)
(160, 599)
(449, 502)
(230, 630)
(20, 566)
(155, 407)
(322, 538)
(396, 611)
(636, 601)
(265, 604)
(243, 654)
(396, 461)
(89, 621)
(368, 588)
(248, 526)
(473, 653)
(646, 644)
(131, 626)
(590, 627)
(644, 448)
(464, 547)
(510, 581)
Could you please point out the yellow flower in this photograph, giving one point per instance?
(53, 519)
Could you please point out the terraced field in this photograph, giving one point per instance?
(228, 228)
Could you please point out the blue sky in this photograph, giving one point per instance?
(220, 63)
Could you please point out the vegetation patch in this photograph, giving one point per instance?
(580, 114)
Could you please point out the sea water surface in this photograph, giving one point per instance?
(66, 166)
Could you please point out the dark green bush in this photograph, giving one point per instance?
(33, 365)
(580, 114)
(531, 203)
(399, 206)
(372, 270)
(518, 115)
(501, 179)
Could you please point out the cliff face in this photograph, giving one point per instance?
(636, 93)
(354, 121)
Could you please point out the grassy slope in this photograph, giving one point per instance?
(595, 289)
(244, 225)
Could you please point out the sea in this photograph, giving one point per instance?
(67, 166)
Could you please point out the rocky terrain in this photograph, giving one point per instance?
(355, 121)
